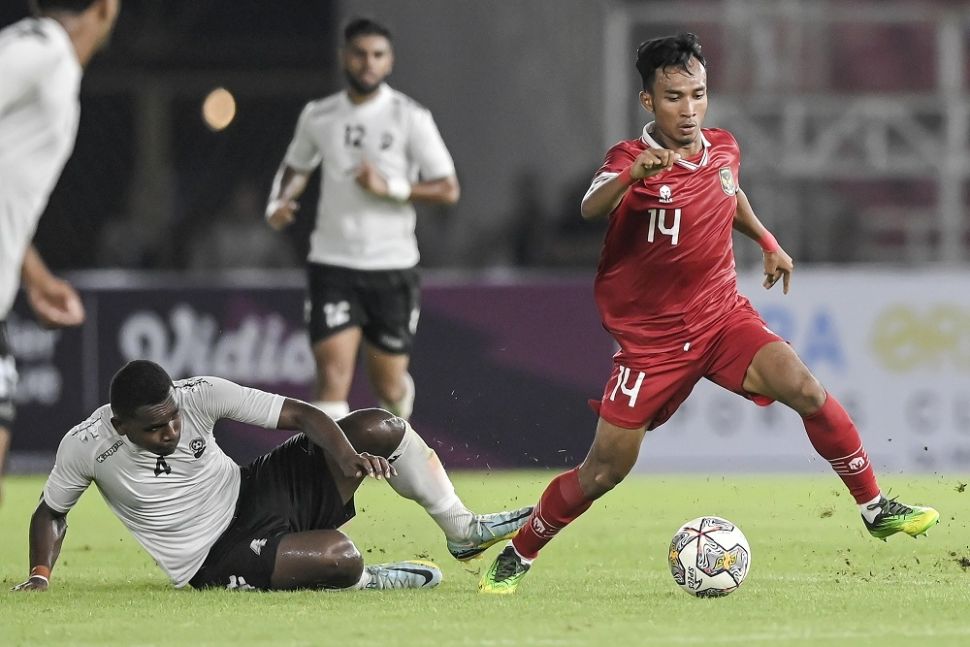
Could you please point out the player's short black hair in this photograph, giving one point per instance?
(365, 27)
(138, 383)
(668, 51)
(73, 6)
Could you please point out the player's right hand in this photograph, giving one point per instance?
(34, 583)
(653, 161)
(364, 464)
(281, 213)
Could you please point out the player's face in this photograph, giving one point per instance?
(367, 61)
(154, 427)
(678, 101)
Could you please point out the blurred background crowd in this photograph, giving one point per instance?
(852, 118)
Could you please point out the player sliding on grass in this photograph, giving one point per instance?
(667, 291)
(270, 525)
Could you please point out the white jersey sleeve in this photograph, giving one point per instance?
(303, 153)
(428, 149)
(72, 473)
(24, 60)
(221, 398)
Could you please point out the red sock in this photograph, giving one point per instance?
(835, 438)
(560, 504)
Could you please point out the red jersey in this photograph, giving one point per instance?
(666, 272)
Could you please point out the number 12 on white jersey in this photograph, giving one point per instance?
(658, 222)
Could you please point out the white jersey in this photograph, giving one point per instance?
(40, 78)
(399, 137)
(176, 506)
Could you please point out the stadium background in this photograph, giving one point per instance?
(854, 124)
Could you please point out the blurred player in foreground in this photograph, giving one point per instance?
(666, 289)
(270, 525)
(380, 152)
(41, 62)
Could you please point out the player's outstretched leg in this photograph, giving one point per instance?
(889, 516)
(422, 478)
(414, 574)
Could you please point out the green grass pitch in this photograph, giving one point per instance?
(817, 578)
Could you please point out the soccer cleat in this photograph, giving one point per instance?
(403, 575)
(504, 574)
(489, 529)
(896, 517)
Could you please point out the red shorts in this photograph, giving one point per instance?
(647, 390)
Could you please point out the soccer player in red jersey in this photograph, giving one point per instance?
(666, 289)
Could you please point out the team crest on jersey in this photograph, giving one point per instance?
(666, 196)
(727, 181)
(197, 446)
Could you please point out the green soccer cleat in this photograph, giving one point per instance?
(489, 530)
(504, 574)
(896, 517)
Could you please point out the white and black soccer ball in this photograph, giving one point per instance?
(709, 557)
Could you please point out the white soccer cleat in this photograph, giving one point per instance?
(489, 529)
(414, 574)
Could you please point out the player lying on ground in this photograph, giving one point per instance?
(270, 525)
(667, 292)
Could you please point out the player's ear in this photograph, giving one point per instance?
(119, 426)
(646, 100)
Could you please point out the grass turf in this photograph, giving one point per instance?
(816, 577)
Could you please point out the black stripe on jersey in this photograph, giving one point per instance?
(191, 384)
(84, 426)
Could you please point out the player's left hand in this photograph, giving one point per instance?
(56, 303)
(370, 179)
(364, 464)
(778, 265)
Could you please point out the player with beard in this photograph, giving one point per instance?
(379, 151)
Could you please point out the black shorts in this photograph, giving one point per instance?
(384, 304)
(290, 489)
(8, 380)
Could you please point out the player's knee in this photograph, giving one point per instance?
(809, 395)
(605, 478)
(374, 431)
(343, 563)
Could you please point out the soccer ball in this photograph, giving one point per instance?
(709, 557)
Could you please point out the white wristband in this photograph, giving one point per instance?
(398, 188)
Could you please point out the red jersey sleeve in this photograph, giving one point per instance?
(618, 158)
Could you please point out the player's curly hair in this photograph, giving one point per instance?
(137, 384)
(668, 51)
(74, 6)
(365, 27)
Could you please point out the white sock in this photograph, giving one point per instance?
(361, 583)
(422, 478)
(870, 515)
(336, 409)
(524, 560)
(403, 407)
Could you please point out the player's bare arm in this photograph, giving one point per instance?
(325, 433)
(603, 199)
(47, 530)
(288, 185)
(778, 264)
(55, 302)
(444, 190)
